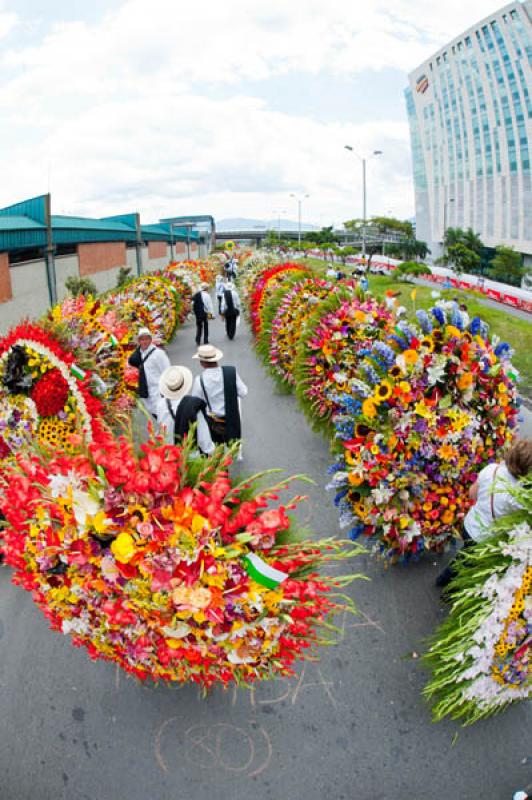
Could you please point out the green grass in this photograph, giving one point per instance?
(517, 332)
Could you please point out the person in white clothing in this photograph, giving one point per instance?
(221, 388)
(177, 410)
(151, 361)
(203, 311)
(219, 289)
(230, 308)
(491, 497)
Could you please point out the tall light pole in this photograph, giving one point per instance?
(363, 160)
(299, 202)
(278, 212)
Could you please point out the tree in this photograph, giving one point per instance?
(77, 286)
(123, 276)
(392, 224)
(468, 238)
(507, 266)
(410, 269)
(462, 258)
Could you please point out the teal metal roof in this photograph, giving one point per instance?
(16, 223)
(23, 225)
(85, 223)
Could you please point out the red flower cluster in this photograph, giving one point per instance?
(50, 393)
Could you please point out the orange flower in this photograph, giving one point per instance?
(465, 381)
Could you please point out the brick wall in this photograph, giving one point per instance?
(101, 256)
(156, 250)
(180, 249)
(6, 292)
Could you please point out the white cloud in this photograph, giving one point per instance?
(123, 113)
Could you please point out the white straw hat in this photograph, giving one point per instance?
(144, 332)
(209, 353)
(175, 382)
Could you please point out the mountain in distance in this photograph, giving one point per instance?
(247, 224)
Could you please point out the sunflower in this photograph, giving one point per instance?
(428, 343)
(383, 391)
(362, 430)
(395, 371)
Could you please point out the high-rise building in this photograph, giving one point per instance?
(470, 113)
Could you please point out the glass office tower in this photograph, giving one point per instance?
(470, 115)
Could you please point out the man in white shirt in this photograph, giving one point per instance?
(177, 410)
(151, 361)
(221, 388)
(220, 285)
(230, 308)
(202, 307)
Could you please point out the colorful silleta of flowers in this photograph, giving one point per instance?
(91, 326)
(149, 301)
(481, 656)
(266, 283)
(44, 394)
(428, 409)
(339, 331)
(288, 323)
(173, 577)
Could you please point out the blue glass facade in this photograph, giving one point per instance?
(470, 114)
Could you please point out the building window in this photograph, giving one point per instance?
(467, 41)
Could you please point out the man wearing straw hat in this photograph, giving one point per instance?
(151, 361)
(177, 410)
(221, 388)
(202, 307)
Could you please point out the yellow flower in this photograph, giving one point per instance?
(502, 388)
(410, 356)
(428, 343)
(123, 548)
(368, 408)
(423, 411)
(452, 331)
(405, 387)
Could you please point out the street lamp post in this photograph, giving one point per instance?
(364, 211)
(299, 202)
(278, 212)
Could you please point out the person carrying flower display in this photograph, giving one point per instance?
(151, 361)
(221, 388)
(202, 307)
(177, 410)
(230, 308)
(491, 497)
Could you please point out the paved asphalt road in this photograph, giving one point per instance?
(351, 727)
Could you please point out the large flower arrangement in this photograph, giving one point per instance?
(289, 323)
(171, 576)
(43, 392)
(182, 282)
(329, 350)
(91, 327)
(268, 280)
(481, 656)
(151, 302)
(424, 413)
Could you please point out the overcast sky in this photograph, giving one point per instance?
(219, 107)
